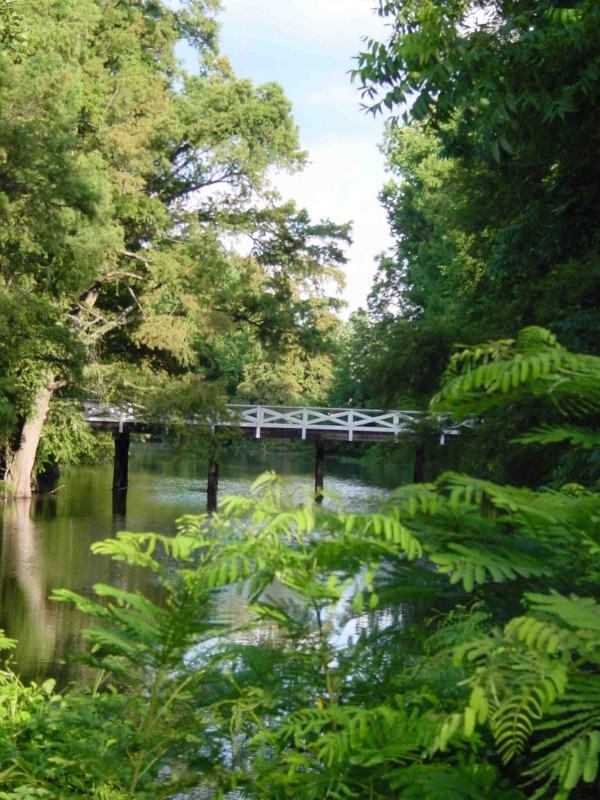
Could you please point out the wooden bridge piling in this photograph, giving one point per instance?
(120, 482)
(212, 486)
(319, 470)
(121, 461)
(119, 504)
(419, 470)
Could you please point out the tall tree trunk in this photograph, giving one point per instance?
(18, 477)
(19, 469)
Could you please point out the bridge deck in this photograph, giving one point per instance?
(286, 422)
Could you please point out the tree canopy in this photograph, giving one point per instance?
(124, 184)
(493, 199)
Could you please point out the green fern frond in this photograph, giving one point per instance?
(138, 548)
(457, 627)
(465, 778)
(511, 690)
(84, 604)
(576, 760)
(385, 526)
(541, 635)
(513, 723)
(473, 567)
(482, 377)
(564, 722)
(539, 677)
(549, 434)
(474, 650)
(421, 498)
(365, 737)
(452, 726)
(265, 481)
(482, 494)
(6, 643)
(225, 570)
(535, 338)
(580, 614)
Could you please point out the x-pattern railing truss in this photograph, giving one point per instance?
(304, 419)
(350, 421)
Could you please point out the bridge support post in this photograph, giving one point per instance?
(120, 472)
(119, 503)
(121, 461)
(212, 486)
(419, 473)
(319, 464)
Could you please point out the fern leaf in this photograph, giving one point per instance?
(579, 613)
(541, 635)
(513, 722)
(472, 566)
(548, 434)
(481, 378)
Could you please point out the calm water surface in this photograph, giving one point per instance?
(45, 542)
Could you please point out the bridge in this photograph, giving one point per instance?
(286, 422)
(318, 424)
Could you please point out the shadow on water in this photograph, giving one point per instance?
(45, 543)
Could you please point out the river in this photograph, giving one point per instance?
(45, 542)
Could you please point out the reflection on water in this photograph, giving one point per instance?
(25, 583)
(45, 543)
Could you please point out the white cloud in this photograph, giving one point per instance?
(330, 31)
(344, 13)
(308, 46)
(342, 182)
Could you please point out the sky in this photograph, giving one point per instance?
(309, 46)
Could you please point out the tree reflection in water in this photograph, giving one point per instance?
(27, 614)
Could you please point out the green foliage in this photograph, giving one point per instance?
(124, 184)
(12, 34)
(495, 223)
(351, 381)
(5, 642)
(435, 265)
(294, 379)
(497, 694)
(487, 376)
(68, 439)
(502, 66)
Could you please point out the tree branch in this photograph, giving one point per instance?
(146, 262)
(137, 302)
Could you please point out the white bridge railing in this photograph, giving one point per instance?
(348, 421)
(96, 412)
